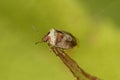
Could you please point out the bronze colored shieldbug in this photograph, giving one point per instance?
(60, 39)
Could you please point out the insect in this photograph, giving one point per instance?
(60, 39)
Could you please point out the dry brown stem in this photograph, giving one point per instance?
(78, 72)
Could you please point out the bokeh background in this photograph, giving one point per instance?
(95, 24)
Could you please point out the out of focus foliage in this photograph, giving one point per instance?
(95, 24)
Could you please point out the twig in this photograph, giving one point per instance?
(79, 73)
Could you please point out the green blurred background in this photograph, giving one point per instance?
(95, 24)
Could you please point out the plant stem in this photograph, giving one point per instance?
(78, 72)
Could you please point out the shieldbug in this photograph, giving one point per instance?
(60, 39)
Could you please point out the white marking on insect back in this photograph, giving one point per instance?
(52, 36)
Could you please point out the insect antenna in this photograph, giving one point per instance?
(38, 32)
